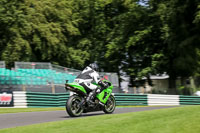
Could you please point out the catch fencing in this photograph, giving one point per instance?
(42, 77)
(33, 65)
(37, 99)
(65, 70)
(112, 77)
(2, 64)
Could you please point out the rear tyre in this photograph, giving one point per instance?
(110, 105)
(73, 106)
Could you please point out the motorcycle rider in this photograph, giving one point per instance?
(88, 76)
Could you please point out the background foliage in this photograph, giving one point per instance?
(139, 37)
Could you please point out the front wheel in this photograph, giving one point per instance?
(73, 106)
(110, 105)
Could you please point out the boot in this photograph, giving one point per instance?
(93, 94)
(91, 97)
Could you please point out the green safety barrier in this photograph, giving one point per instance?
(189, 100)
(130, 99)
(37, 99)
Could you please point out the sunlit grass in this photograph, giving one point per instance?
(172, 120)
(18, 110)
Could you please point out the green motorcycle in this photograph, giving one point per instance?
(76, 104)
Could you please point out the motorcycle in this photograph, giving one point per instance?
(76, 104)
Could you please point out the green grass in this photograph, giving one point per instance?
(173, 120)
(18, 110)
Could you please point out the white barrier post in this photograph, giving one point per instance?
(156, 99)
(20, 99)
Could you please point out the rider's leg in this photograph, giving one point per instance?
(95, 90)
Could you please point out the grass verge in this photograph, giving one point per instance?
(19, 110)
(173, 120)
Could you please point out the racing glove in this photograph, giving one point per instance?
(103, 85)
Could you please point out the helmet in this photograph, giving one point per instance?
(94, 66)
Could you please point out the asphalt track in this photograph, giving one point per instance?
(28, 118)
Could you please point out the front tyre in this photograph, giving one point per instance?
(73, 106)
(110, 105)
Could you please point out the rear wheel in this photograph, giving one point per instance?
(73, 106)
(110, 105)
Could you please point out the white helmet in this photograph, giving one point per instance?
(94, 66)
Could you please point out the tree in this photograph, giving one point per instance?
(40, 31)
(135, 43)
(180, 37)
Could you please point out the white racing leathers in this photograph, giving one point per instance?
(87, 76)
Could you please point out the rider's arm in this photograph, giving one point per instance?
(96, 78)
